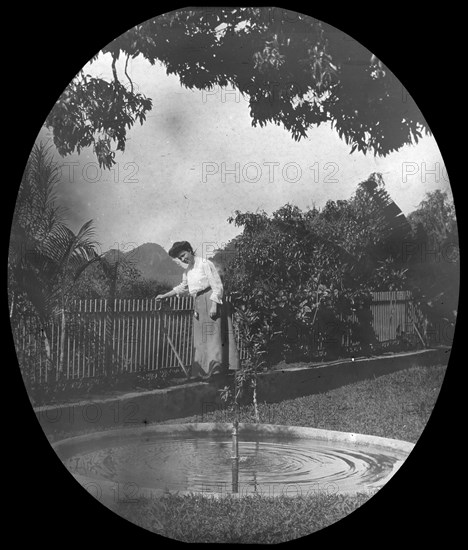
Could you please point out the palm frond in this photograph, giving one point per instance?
(395, 229)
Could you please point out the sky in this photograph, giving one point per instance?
(197, 159)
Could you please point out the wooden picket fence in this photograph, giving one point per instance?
(395, 313)
(132, 335)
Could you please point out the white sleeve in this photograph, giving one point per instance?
(215, 281)
(183, 287)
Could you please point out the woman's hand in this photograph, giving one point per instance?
(213, 310)
(160, 297)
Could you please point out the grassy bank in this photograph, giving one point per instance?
(251, 519)
(397, 405)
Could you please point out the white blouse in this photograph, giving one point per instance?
(201, 275)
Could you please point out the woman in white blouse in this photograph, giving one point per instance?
(213, 335)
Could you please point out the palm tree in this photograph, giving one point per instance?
(54, 268)
(50, 273)
(35, 216)
(45, 256)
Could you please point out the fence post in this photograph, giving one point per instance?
(109, 349)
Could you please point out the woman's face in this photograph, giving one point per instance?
(186, 257)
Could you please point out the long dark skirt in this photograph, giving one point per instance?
(213, 339)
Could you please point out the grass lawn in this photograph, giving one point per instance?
(397, 405)
(250, 519)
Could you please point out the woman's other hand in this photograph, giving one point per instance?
(213, 310)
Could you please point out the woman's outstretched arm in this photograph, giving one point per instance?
(177, 290)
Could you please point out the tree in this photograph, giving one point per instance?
(372, 229)
(435, 216)
(52, 271)
(434, 257)
(35, 216)
(302, 275)
(291, 278)
(107, 277)
(96, 280)
(296, 71)
(45, 256)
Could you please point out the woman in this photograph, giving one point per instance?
(213, 335)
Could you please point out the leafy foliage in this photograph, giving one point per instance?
(245, 380)
(94, 112)
(301, 276)
(54, 265)
(45, 255)
(296, 72)
(97, 279)
(435, 216)
(305, 279)
(35, 216)
(435, 260)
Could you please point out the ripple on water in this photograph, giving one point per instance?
(269, 465)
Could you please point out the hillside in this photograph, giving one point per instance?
(152, 261)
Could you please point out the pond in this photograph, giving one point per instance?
(197, 458)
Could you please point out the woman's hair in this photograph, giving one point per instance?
(178, 247)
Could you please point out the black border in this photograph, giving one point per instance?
(45, 47)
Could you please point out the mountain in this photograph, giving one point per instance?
(152, 261)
